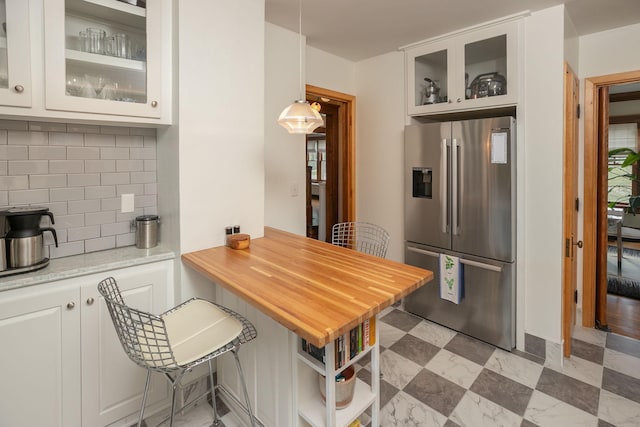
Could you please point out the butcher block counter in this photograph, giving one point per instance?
(317, 290)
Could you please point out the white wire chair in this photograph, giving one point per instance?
(361, 236)
(174, 342)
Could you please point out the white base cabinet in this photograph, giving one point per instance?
(63, 364)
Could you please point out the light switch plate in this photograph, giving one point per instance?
(126, 203)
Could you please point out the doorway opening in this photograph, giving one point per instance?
(330, 161)
(603, 218)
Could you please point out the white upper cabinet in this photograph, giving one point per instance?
(474, 69)
(105, 57)
(15, 65)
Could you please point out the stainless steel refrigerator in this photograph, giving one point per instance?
(460, 200)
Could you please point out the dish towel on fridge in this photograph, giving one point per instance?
(450, 278)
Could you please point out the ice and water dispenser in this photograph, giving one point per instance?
(422, 182)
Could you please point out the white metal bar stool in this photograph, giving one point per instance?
(174, 342)
(361, 236)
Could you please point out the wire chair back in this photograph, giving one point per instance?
(143, 335)
(361, 236)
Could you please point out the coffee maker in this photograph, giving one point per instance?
(23, 241)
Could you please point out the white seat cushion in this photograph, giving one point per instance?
(198, 328)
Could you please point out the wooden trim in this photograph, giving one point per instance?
(617, 120)
(601, 205)
(625, 96)
(590, 186)
(348, 170)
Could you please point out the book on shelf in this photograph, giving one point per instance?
(347, 346)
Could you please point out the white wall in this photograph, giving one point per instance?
(543, 128)
(220, 125)
(330, 72)
(380, 148)
(285, 154)
(609, 52)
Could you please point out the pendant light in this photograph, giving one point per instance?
(299, 117)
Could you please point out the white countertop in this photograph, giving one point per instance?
(82, 265)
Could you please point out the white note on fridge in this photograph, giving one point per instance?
(499, 147)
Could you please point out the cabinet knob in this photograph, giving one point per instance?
(71, 305)
(154, 104)
(459, 100)
(90, 300)
(19, 88)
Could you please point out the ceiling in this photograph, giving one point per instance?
(360, 29)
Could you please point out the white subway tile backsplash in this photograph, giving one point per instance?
(28, 197)
(150, 165)
(14, 152)
(143, 177)
(37, 152)
(14, 182)
(66, 194)
(115, 228)
(83, 233)
(143, 153)
(14, 125)
(100, 244)
(57, 209)
(83, 153)
(79, 172)
(115, 178)
(76, 128)
(114, 130)
(66, 249)
(83, 179)
(100, 165)
(66, 166)
(145, 201)
(47, 127)
(129, 165)
(137, 189)
(27, 138)
(151, 188)
(47, 181)
(70, 221)
(142, 131)
(112, 204)
(114, 153)
(97, 218)
(125, 240)
(66, 139)
(83, 206)
(97, 140)
(129, 141)
(100, 192)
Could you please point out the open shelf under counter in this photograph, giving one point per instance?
(313, 410)
(112, 10)
(106, 61)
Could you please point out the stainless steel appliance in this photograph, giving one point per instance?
(460, 200)
(24, 239)
(431, 92)
(146, 231)
(488, 84)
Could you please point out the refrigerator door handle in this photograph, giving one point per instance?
(443, 185)
(481, 265)
(423, 251)
(454, 187)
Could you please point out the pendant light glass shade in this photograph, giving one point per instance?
(299, 117)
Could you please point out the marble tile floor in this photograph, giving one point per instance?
(433, 376)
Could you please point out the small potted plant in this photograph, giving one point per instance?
(619, 172)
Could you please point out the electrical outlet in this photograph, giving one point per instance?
(126, 203)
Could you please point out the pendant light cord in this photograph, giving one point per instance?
(300, 46)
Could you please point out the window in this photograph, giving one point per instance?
(620, 179)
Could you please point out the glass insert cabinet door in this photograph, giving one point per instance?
(15, 67)
(104, 57)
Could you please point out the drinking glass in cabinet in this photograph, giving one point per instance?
(94, 40)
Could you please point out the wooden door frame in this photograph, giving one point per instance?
(570, 214)
(592, 234)
(347, 111)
